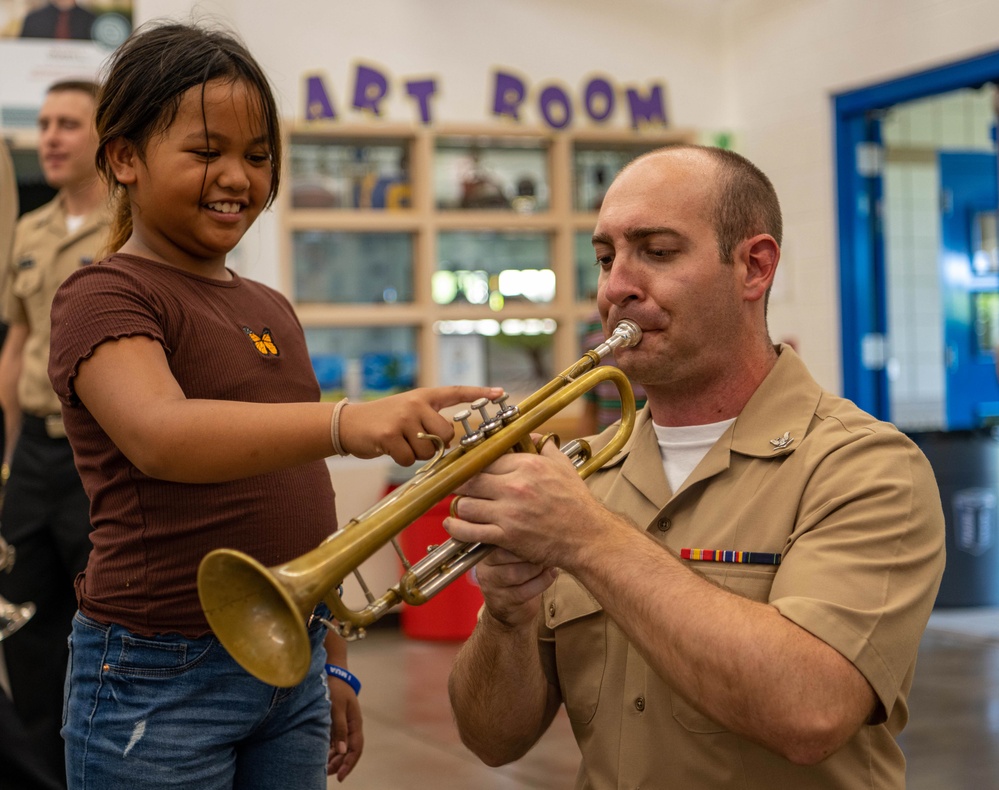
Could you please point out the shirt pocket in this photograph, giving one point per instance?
(580, 629)
(751, 583)
(27, 282)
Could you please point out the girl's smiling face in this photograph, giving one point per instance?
(201, 181)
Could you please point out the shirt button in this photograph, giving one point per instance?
(664, 524)
(640, 704)
(551, 609)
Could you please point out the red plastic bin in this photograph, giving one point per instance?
(451, 614)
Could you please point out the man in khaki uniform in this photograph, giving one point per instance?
(21, 768)
(742, 591)
(8, 208)
(45, 514)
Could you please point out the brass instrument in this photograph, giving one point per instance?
(12, 615)
(260, 614)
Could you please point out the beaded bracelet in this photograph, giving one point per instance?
(335, 428)
(339, 672)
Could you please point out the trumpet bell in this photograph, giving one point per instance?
(254, 615)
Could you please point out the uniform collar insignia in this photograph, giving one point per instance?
(782, 442)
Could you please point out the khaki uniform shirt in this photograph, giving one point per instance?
(8, 209)
(44, 255)
(852, 508)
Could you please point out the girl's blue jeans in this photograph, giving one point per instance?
(171, 712)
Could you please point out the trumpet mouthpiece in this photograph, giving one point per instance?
(629, 332)
(625, 335)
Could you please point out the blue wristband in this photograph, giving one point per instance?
(339, 672)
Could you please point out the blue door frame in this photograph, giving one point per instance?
(863, 305)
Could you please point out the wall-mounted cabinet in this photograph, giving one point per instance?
(418, 257)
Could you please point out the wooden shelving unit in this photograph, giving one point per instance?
(426, 217)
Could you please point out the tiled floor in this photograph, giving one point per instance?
(951, 743)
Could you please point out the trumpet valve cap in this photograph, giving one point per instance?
(480, 406)
(463, 417)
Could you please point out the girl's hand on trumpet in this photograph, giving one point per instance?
(392, 425)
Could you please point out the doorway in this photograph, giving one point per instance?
(917, 334)
(919, 286)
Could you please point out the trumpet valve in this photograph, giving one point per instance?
(471, 438)
(506, 413)
(489, 424)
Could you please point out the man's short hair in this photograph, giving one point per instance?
(746, 203)
(83, 86)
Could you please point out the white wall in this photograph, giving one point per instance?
(766, 69)
(785, 59)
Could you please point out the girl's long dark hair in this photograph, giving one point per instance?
(144, 82)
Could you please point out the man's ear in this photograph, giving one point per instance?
(760, 255)
(122, 158)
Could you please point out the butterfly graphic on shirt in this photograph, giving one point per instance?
(264, 342)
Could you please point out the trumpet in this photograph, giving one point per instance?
(12, 615)
(260, 614)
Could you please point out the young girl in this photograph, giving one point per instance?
(190, 435)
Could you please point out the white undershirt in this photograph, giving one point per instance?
(683, 448)
(74, 222)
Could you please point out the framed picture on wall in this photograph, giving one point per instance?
(44, 41)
